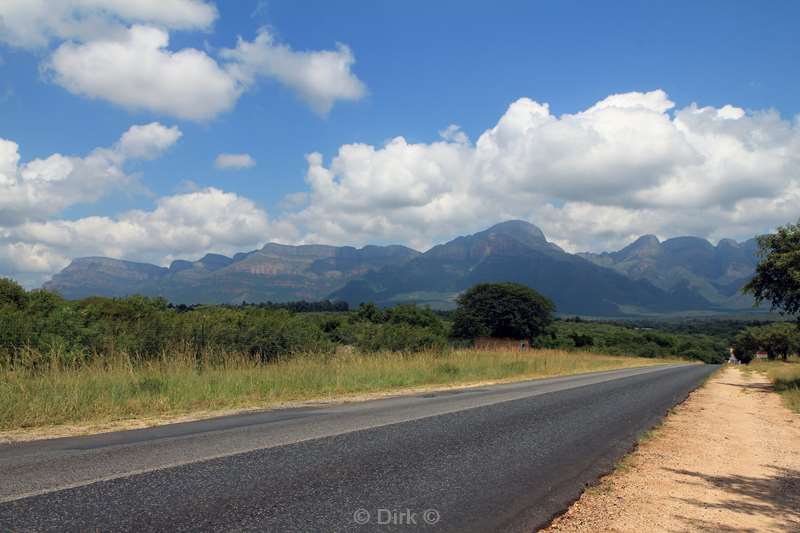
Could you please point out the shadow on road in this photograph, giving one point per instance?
(776, 497)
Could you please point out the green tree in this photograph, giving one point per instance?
(415, 316)
(779, 340)
(369, 312)
(745, 345)
(777, 277)
(12, 294)
(503, 310)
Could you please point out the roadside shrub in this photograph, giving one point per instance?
(415, 316)
(629, 339)
(581, 340)
(263, 333)
(397, 338)
(39, 329)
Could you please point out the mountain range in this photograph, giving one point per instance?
(717, 273)
(648, 276)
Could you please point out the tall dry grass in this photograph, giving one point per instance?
(119, 387)
(785, 376)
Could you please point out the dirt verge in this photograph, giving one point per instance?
(727, 459)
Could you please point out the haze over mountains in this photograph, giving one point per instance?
(648, 276)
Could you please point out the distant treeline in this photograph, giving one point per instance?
(39, 328)
(300, 306)
(642, 341)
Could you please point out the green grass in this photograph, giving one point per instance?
(119, 389)
(785, 376)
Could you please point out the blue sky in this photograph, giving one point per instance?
(422, 66)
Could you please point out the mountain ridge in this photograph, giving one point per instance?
(274, 272)
(504, 253)
(716, 272)
(646, 276)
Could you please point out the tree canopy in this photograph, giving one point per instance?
(503, 310)
(12, 294)
(779, 340)
(777, 277)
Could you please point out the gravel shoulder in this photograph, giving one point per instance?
(727, 459)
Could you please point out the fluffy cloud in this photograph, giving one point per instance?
(596, 154)
(147, 141)
(135, 68)
(44, 187)
(34, 23)
(118, 51)
(138, 71)
(183, 225)
(234, 161)
(595, 179)
(33, 244)
(180, 226)
(319, 77)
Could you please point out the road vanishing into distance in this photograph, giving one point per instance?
(495, 458)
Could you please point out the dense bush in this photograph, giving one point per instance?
(405, 328)
(630, 339)
(40, 327)
(398, 336)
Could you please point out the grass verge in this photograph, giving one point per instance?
(176, 384)
(785, 376)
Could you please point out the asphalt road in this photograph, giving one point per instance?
(498, 458)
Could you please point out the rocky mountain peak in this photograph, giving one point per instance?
(519, 229)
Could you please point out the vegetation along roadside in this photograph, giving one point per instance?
(99, 360)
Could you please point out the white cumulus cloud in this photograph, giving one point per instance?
(44, 187)
(138, 72)
(180, 226)
(319, 77)
(234, 161)
(34, 23)
(119, 51)
(594, 179)
(147, 141)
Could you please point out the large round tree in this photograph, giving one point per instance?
(777, 278)
(502, 310)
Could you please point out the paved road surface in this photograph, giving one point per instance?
(498, 458)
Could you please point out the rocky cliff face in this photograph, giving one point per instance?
(275, 272)
(93, 276)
